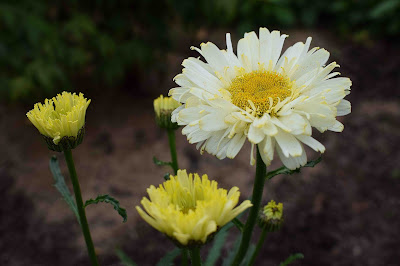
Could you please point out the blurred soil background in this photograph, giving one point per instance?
(345, 211)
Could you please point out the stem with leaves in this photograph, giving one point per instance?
(261, 170)
(259, 246)
(81, 209)
(172, 147)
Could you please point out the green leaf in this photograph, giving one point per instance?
(249, 253)
(169, 258)
(292, 258)
(159, 162)
(286, 171)
(218, 244)
(108, 199)
(384, 8)
(62, 186)
(125, 260)
(238, 224)
(231, 255)
(166, 176)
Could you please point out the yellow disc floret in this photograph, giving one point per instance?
(59, 117)
(188, 208)
(262, 88)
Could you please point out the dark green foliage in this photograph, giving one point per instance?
(50, 46)
(108, 199)
(218, 244)
(291, 259)
(125, 260)
(169, 258)
(285, 171)
(62, 186)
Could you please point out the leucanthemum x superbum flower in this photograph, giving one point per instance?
(272, 100)
(61, 118)
(189, 208)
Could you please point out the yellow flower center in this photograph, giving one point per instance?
(263, 88)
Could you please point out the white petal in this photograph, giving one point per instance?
(343, 108)
(256, 134)
(312, 143)
(235, 145)
(292, 162)
(288, 143)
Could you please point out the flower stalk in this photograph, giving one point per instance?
(195, 256)
(261, 170)
(184, 257)
(258, 247)
(172, 148)
(81, 210)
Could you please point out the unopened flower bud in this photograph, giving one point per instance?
(271, 216)
(163, 107)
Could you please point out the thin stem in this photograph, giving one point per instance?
(195, 256)
(258, 188)
(184, 257)
(172, 147)
(259, 246)
(81, 209)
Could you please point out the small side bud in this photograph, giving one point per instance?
(163, 107)
(271, 216)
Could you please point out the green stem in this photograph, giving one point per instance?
(259, 246)
(258, 188)
(81, 210)
(172, 147)
(184, 257)
(195, 256)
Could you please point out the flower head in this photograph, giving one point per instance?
(163, 107)
(271, 216)
(61, 120)
(189, 208)
(272, 100)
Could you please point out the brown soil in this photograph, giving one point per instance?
(345, 211)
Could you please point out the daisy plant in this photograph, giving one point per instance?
(61, 121)
(259, 95)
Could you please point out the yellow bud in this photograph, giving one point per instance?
(163, 107)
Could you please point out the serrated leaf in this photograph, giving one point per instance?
(108, 199)
(169, 258)
(219, 241)
(292, 258)
(125, 260)
(286, 171)
(62, 186)
(159, 162)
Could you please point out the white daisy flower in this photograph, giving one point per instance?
(272, 100)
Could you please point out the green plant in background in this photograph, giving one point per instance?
(47, 46)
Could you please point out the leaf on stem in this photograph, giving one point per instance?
(125, 260)
(62, 186)
(159, 162)
(286, 171)
(166, 176)
(169, 258)
(238, 224)
(108, 199)
(219, 241)
(292, 258)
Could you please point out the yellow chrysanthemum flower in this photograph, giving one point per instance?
(271, 99)
(60, 117)
(163, 107)
(189, 208)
